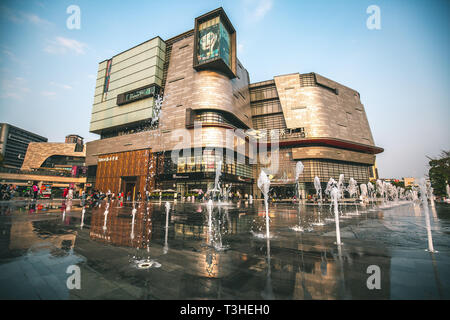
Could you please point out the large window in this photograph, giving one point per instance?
(263, 93)
(266, 107)
(207, 162)
(273, 121)
(322, 168)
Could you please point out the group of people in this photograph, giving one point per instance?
(7, 191)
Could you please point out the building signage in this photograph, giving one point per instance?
(215, 43)
(180, 177)
(113, 158)
(137, 94)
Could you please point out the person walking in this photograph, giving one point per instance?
(65, 192)
(35, 191)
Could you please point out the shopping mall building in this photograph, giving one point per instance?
(211, 115)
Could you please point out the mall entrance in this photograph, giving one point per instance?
(129, 187)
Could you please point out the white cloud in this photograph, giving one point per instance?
(61, 85)
(63, 45)
(20, 17)
(262, 8)
(240, 48)
(257, 9)
(48, 93)
(12, 56)
(13, 88)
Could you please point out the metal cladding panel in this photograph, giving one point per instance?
(130, 70)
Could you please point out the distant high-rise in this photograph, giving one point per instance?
(14, 143)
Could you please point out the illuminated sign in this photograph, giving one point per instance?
(137, 94)
(215, 43)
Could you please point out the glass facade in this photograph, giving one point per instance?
(207, 162)
(322, 168)
(211, 117)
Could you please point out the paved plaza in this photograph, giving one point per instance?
(227, 257)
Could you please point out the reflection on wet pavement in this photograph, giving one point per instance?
(192, 257)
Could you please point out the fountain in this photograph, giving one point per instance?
(133, 213)
(447, 189)
(166, 245)
(380, 189)
(363, 188)
(340, 185)
(298, 171)
(353, 191)
(328, 191)
(335, 194)
(209, 207)
(430, 193)
(82, 217)
(267, 293)
(106, 216)
(217, 188)
(318, 188)
(264, 186)
(371, 191)
(423, 196)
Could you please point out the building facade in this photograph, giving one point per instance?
(213, 119)
(319, 122)
(14, 143)
(54, 165)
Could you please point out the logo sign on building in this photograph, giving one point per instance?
(137, 94)
(112, 158)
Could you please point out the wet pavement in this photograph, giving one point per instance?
(187, 256)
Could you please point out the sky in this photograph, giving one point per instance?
(401, 70)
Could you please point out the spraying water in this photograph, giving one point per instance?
(82, 217)
(318, 188)
(430, 193)
(298, 171)
(216, 180)
(353, 191)
(106, 216)
(334, 196)
(133, 213)
(340, 185)
(166, 245)
(423, 195)
(209, 207)
(371, 190)
(363, 188)
(264, 186)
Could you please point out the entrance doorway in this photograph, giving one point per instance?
(129, 187)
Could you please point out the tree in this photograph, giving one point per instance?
(439, 173)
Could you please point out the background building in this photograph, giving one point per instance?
(14, 143)
(319, 121)
(52, 165)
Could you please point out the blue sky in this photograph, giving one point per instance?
(402, 71)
